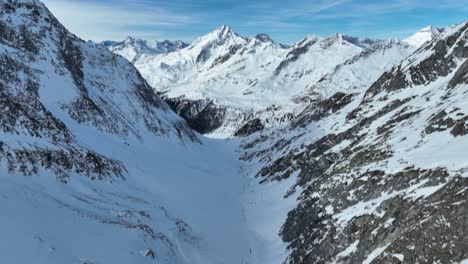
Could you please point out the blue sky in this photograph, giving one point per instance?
(285, 21)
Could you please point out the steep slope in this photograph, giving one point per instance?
(226, 85)
(95, 167)
(380, 174)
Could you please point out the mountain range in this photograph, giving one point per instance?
(263, 83)
(231, 149)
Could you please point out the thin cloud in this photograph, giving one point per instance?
(101, 21)
(284, 21)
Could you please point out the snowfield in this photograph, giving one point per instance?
(187, 197)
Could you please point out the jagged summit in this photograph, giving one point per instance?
(264, 38)
(222, 35)
(164, 46)
(223, 30)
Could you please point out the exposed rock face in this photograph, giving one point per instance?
(378, 171)
(202, 116)
(323, 108)
(423, 69)
(250, 128)
(207, 117)
(263, 37)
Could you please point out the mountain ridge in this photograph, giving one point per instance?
(223, 58)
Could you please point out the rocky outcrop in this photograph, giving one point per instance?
(250, 127)
(422, 69)
(202, 116)
(323, 108)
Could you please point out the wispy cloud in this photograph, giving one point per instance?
(286, 21)
(100, 20)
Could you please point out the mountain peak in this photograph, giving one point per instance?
(423, 35)
(132, 40)
(223, 31)
(218, 37)
(224, 27)
(429, 28)
(263, 37)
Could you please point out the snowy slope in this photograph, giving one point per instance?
(422, 36)
(380, 174)
(245, 79)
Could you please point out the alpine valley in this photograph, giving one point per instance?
(231, 149)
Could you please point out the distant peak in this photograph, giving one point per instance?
(224, 27)
(336, 38)
(431, 30)
(423, 35)
(223, 30)
(130, 39)
(263, 38)
(219, 36)
(309, 38)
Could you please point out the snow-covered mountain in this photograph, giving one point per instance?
(380, 174)
(352, 150)
(132, 48)
(356, 143)
(222, 83)
(95, 167)
(422, 36)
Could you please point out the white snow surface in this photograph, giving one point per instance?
(92, 222)
(422, 36)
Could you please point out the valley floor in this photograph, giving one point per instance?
(186, 203)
